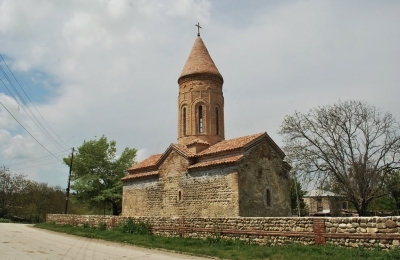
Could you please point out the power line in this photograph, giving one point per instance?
(34, 166)
(44, 158)
(41, 128)
(29, 132)
(32, 102)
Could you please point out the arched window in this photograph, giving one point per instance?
(200, 119)
(268, 197)
(216, 121)
(184, 121)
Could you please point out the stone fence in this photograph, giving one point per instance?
(383, 232)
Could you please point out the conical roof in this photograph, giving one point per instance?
(199, 61)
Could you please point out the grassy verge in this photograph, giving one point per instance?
(225, 249)
(5, 220)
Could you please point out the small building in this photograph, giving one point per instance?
(204, 175)
(323, 203)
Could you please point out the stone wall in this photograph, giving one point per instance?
(262, 170)
(210, 192)
(383, 232)
(380, 232)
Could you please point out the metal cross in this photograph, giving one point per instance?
(198, 28)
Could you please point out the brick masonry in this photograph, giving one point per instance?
(383, 232)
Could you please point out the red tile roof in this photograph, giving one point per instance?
(149, 162)
(227, 160)
(199, 61)
(230, 144)
(139, 175)
(183, 149)
(197, 141)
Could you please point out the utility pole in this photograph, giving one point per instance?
(69, 181)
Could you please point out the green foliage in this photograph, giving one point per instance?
(392, 187)
(132, 227)
(11, 187)
(102, 226)
(97, 172)
(296, 191)
(5, 220)
(23, 200)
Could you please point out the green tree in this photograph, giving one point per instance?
(350, 143)
(39, 199)
(296, 197)
(11, 187)
(97, 172)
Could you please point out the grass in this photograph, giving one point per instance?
(5, 220)
(224, 249)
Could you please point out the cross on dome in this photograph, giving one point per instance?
(198, 28)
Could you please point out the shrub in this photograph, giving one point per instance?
(136, 227)
(102, 226)
(5, 220)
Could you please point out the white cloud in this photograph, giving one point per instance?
(111, 67)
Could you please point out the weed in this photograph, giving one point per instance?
(102, 226)
(131, 227)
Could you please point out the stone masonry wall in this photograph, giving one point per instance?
(260, 171)
(348, 232)
(211, 192)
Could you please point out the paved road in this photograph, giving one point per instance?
(18, 241)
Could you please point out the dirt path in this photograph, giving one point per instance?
(18, 241)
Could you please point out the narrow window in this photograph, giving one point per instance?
(320, 207)
(184, 120)
(268, 197)
(216, 121)
(200, 119)
(179, 195)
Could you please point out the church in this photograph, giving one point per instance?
(204, 175)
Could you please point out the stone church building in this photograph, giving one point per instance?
(204, 175)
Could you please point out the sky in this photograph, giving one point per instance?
(110, 67)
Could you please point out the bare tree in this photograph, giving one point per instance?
(350, 145)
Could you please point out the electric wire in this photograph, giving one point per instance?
(40, 159)
(34, 166)
(22, 107)
(29, 132)
(32, 102)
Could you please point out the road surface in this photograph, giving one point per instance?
(18, 241)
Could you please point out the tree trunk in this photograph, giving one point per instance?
(362, 208)
(116, 209)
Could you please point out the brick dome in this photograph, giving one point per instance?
(199, 61)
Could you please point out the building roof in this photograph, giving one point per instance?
(147, 163)
(183, 150)
(140, 175)
(199, 61)
(197, 141)
(232, 159)
(231, 144)
(319, 193)
(218, 150)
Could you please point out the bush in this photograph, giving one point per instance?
(5, 220)
(131, 227)
(102, 226)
